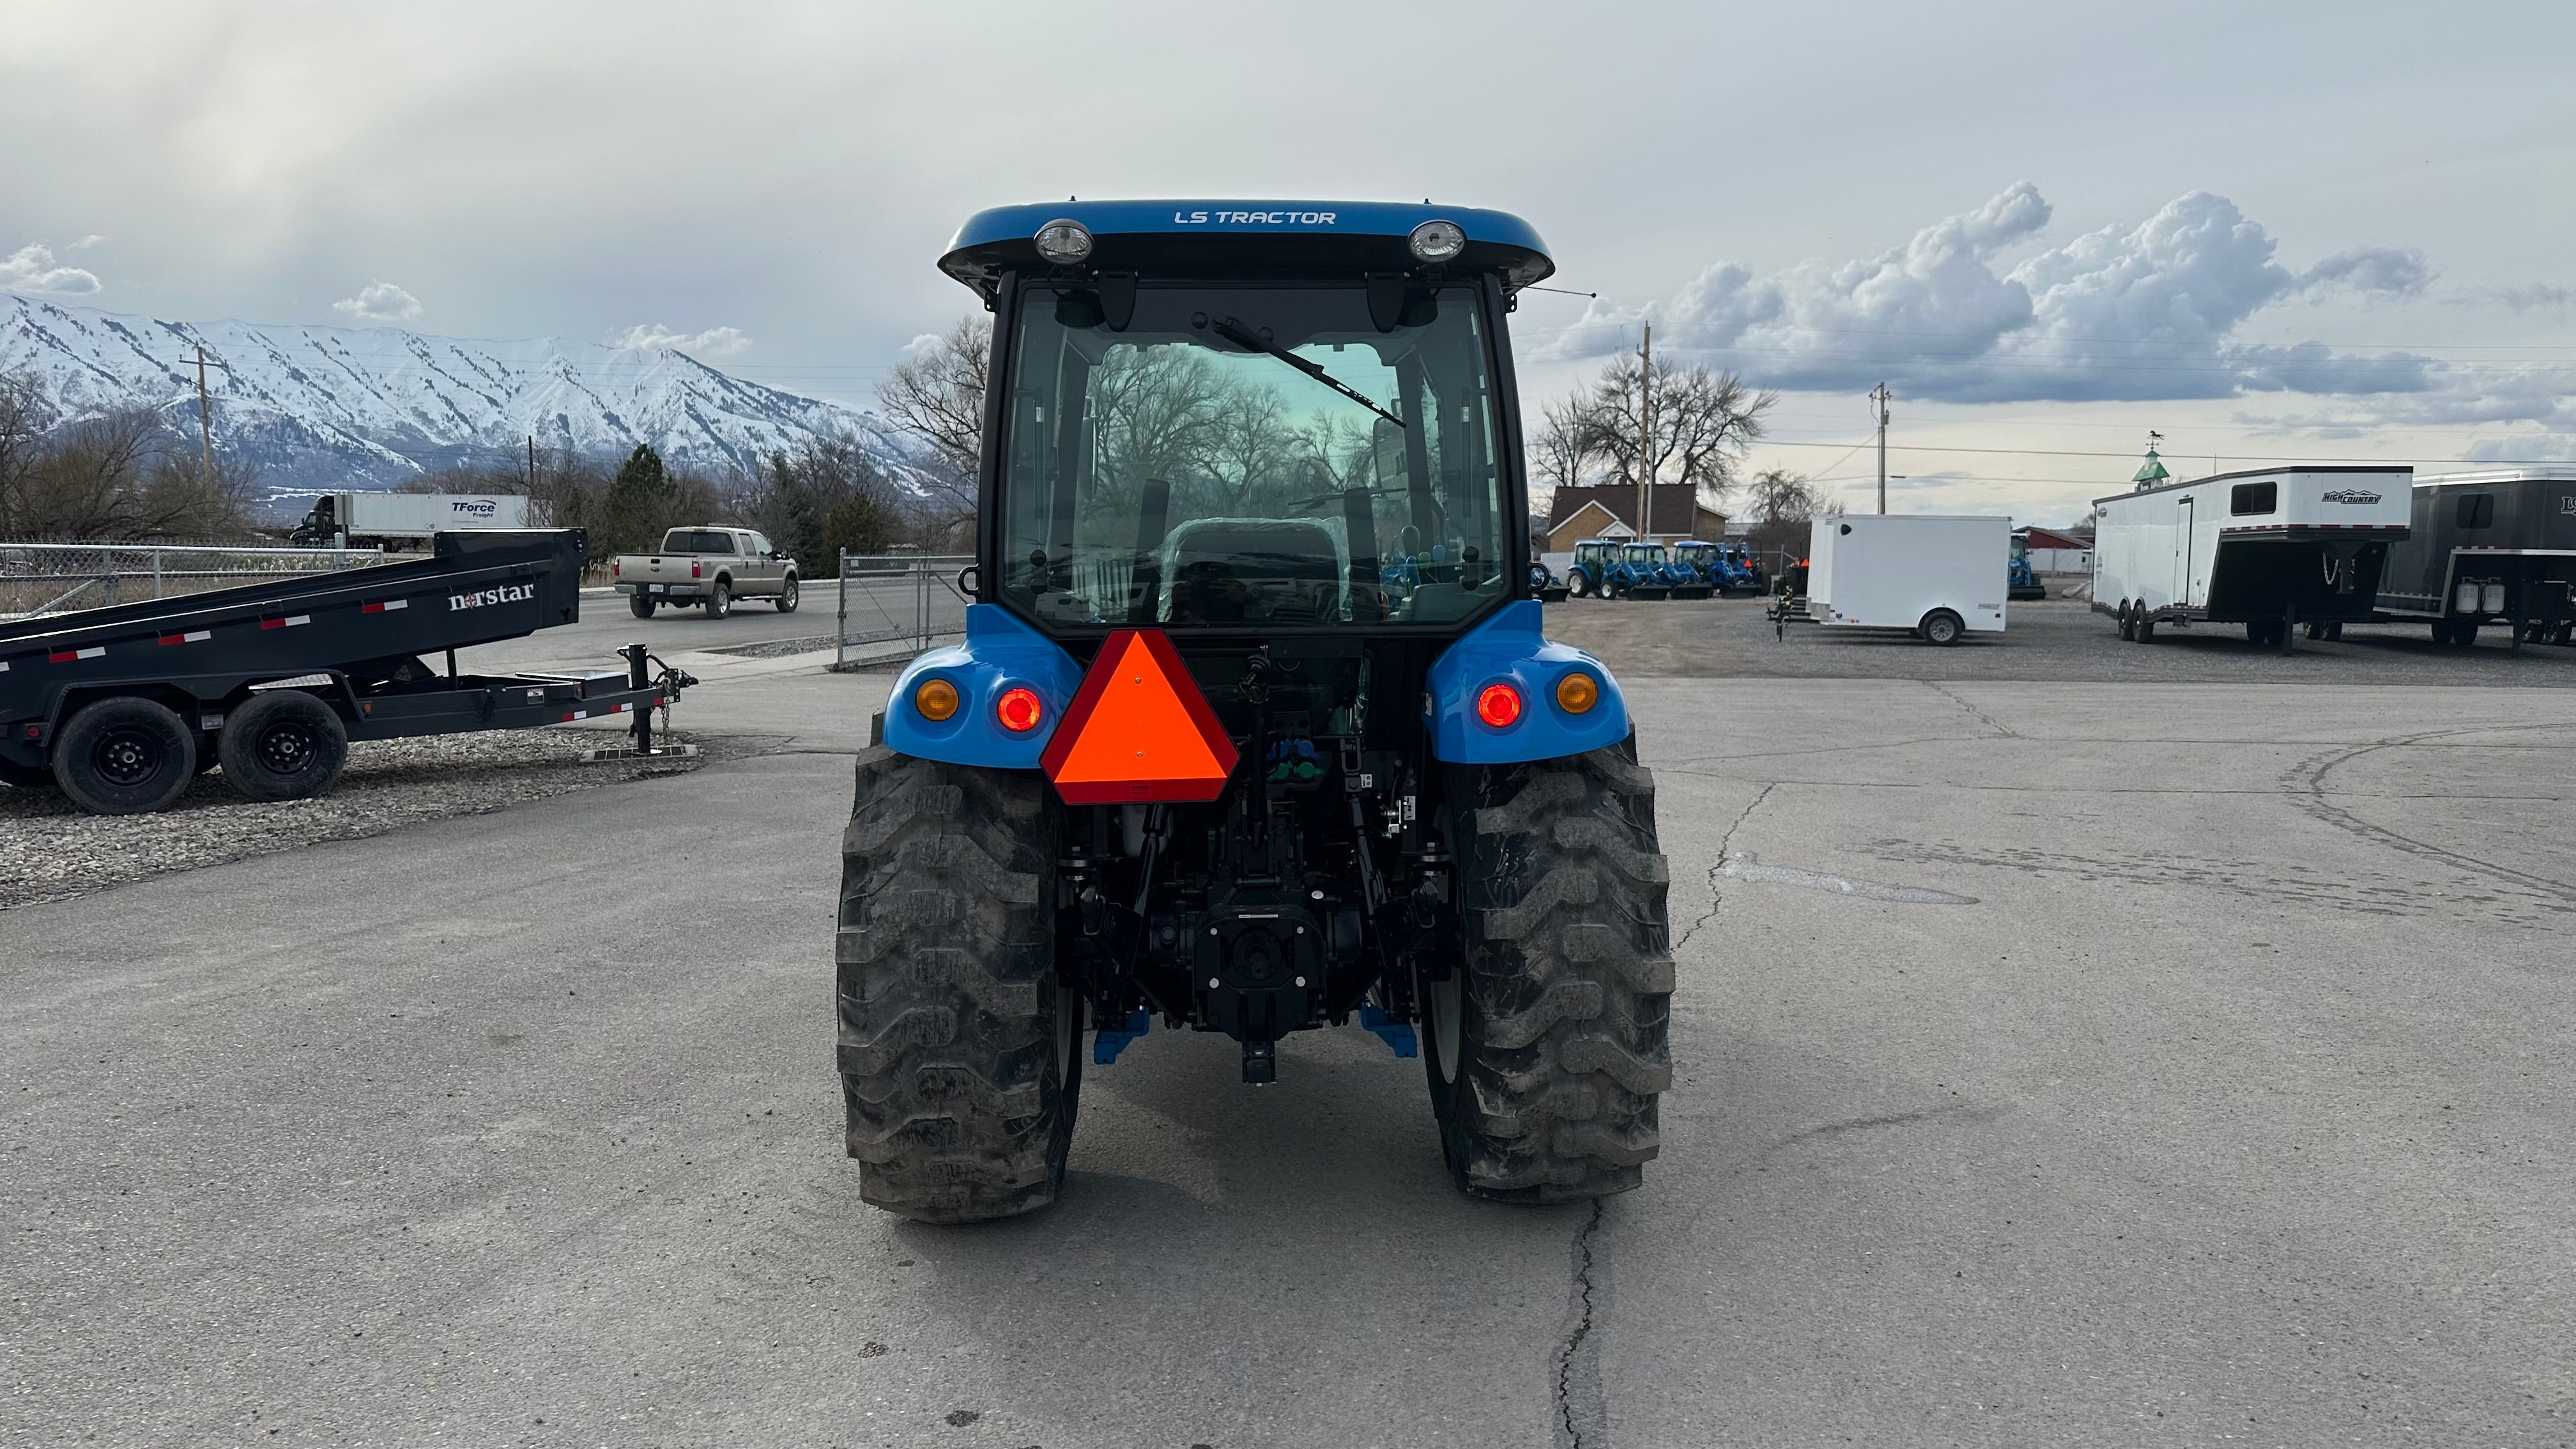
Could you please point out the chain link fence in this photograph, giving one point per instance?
(894, 606)
(53, 578)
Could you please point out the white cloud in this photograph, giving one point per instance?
(714, 342)
(85, 243)
(31, 268)
(379, 302)
(2538, 296)
(2142, 312)
(921, 346)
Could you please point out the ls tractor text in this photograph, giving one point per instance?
(1254, 729)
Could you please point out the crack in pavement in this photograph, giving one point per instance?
(1998, 726)
(1582, 1416)
(2307, 785)
(1723, 842)
(1963, 1113)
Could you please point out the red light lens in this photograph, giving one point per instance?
(1020, 709)
(1499, 705)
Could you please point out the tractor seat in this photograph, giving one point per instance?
(1233, 571)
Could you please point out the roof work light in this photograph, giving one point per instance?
(1064, 242)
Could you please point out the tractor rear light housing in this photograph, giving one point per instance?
(935, 699)
(1499, 705)
(1064, 242)
(1434, 242)
(1019, 709)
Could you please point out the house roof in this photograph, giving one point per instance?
(1676, 506)
(2051, 538)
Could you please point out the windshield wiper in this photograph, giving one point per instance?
(1242, 336)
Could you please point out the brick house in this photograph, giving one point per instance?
(1610, 511)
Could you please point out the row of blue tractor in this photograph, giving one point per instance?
(1606, 568)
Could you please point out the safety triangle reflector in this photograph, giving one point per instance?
(1138, 730)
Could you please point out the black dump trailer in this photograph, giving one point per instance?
(2488, 548)
(120, 707)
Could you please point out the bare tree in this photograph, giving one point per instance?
(937, 397)
(1704, 423)
(1781, 506)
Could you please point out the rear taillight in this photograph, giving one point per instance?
(696, 570)
(615, 568)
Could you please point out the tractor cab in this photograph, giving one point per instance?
(1640, 572)
(1698, 569)
(1254, 729)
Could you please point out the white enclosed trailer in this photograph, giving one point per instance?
(390, 520)
(2268, 549)
(1940, 577)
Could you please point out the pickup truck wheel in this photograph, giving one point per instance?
(1547, 1046)
(959, 1060)
(787, 596)
(641, 603)
(124, 756)
(283, 745)
(719, 600)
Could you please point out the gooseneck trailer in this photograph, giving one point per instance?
(2269, 548)
(1203, 756)
(120, 707)
(2488, 548)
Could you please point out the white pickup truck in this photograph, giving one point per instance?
(708, 565)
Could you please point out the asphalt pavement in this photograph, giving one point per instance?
(2056, 1064)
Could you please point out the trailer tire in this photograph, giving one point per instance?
(124, 756)
(641, 604)
(719, 600)
(2144, 625)
(1942, 627)
(1547, 1046)
(2128, 623)
(283, 745)
(959, 1051)
(787, 596)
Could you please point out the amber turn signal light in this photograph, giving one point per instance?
(1577, 692)
(935, 698)
(1020, 709)
(1499, 705)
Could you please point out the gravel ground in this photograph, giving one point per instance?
(777, 648)
(50, 851)
(2056, 639)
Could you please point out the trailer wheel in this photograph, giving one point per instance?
(787, 596)
(719, 600)
(959, 1060)
(641, 604)
(1942, 627)
(124, 756)
(1547, 1045)
(2127, 621)
(283, 745)
(2143, 626)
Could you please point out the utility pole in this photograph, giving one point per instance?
(205, 414)
(532, 465)
(1880, 397)
(1646, 434)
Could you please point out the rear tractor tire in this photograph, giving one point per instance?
(1547, 1047)
(959, 1053)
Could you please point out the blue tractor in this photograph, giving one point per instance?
(2020, 581)
(1199, 760)
(1639, 571)
(1588, 577)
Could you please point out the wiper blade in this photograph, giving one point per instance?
(1242, 336)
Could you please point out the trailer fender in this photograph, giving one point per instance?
(1000, 653)
(1510, 648)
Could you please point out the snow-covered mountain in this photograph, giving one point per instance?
(362, 407)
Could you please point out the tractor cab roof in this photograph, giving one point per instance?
(1239, 238)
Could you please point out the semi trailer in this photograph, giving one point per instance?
(2268, 548)
(2486, 548)
(403, 520)
(1198, 762)
(120, 707)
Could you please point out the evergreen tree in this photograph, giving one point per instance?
(641, 503)
(857, 525)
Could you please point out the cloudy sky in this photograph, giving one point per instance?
(2281, 230)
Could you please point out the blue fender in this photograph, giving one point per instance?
(1510, 647)
(1000, 651)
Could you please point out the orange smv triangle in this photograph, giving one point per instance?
(1138, 730)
